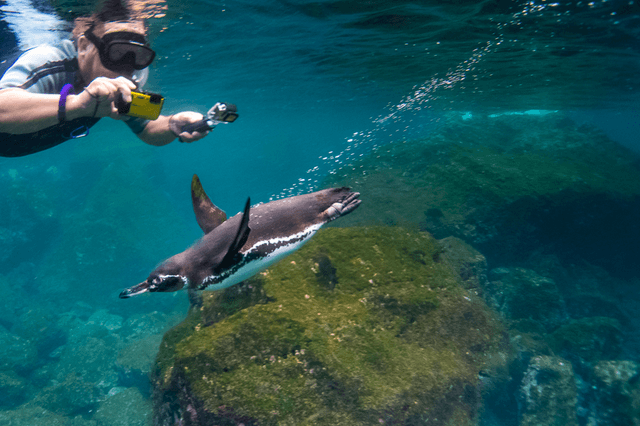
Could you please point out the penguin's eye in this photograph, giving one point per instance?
(156, 280)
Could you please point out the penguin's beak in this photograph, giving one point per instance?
(143, 287)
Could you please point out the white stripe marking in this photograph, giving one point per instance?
(291, 244)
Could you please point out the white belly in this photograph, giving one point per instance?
(285, 246)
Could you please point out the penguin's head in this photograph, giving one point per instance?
(165, 283)
(164, 278)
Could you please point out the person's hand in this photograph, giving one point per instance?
(181, 119)
(98, 98)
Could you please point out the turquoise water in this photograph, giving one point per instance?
(318, 86)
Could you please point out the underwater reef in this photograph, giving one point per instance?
(552, 205)
(364, 325)
(510, 186)
(522, 230)
(70, 353)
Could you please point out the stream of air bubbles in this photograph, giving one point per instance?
(420, 97)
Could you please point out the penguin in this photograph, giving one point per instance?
(234, 250)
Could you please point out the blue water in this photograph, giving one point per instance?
(317, 85)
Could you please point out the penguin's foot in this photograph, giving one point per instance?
(346, 206)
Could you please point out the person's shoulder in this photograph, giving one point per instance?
(47, 53)
(42, 69)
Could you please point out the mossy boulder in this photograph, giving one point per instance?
(549, 394)
(360, 326)
(12, 388)
(522, 294)
(468, 263)
(589, 339)
(617, 394)
(124, 408)
(30, 415)
(71, 396)
(509, 186)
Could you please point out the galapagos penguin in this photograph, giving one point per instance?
(234, 250)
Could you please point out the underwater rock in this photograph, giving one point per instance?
(103, 318)
(93, 359)
(12, 389)
(9, 309)
(70, 396)
(39, 325)
(617, 394)
(140, 354)
(548, 393)
(588, 339)
(141, 325)
(32, 415)
(396, 340)
(468, 263)
(16, 353)
(522, 294)
(508, 185)
(136, 360)
(125, 408)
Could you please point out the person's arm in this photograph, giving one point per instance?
(166, 128)
(25, 112)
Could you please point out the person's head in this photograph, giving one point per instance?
(111, 43)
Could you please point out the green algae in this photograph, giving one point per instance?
(394, 338)
(592, 339)
(497, 161)
(507, 185)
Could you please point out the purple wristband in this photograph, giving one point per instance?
(62, 111)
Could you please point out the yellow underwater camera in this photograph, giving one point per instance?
(143, 105)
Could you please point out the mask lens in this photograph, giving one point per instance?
(132, 54)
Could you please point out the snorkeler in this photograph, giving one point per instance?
(52, 94)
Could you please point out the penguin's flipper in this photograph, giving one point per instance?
(240, 239)
(208, 215)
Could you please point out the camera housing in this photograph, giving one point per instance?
(223, 113)
(143, 105)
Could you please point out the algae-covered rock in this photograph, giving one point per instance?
(136, 360)
(361, 326)
(549, 393)
(589, 339)
(93, 359)
(16, 353)
(71, 396)
(468, 263)
(617, 394)
(125, 408)
(522, 294)
(508, 185)
(12, 389)
(32, 415)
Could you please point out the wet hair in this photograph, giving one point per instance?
(110, 11)
(113, 10)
